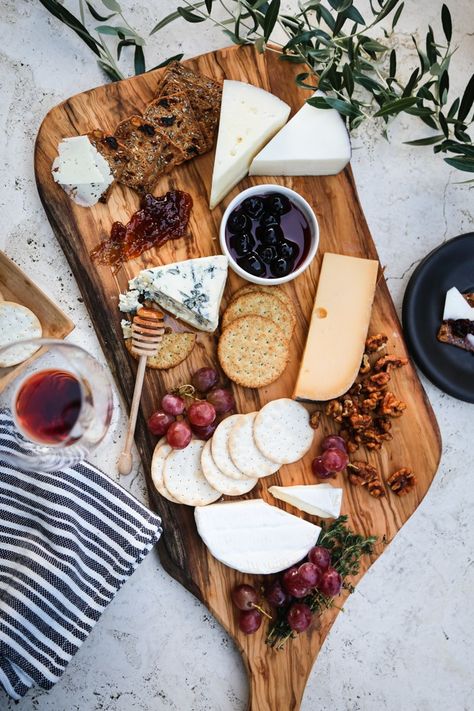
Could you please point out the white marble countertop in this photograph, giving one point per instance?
(405, 640)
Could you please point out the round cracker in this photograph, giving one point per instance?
(275, 290)
(282, 431)
(245, 453)
(174, 348)
(162, 450)
(184, 478)
(253, 351)
(259, 303)
(17, 323)
(220, 448)
(218, 480)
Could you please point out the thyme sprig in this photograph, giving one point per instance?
(347, 549)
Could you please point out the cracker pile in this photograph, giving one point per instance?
(179, 124)
(257, 327)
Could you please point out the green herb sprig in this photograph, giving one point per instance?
(347, 549)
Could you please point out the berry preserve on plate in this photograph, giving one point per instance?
(268, 235)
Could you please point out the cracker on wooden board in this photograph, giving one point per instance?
(174, 116)
(282, 431)
(220, 448)
(184, 478)
(259, 303)
(197, 85)
(253, 351)
(160, 453)
(245, 453)
(111, 149)
(275, 290)
(151, 153)
(218, 480)
(17, 323)
(173, 349)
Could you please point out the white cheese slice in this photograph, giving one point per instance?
(456, 307)
(338, 327)
(314, 142)
(249, 117)
(253, 537)
(81, 170)
(191, 290)
(321, 500)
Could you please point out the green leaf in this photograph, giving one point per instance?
(174, 58)
(348, 79)
(122, 44)
(165, 21)
(462, 136)
(467, 100)
(462, 163)
(208, 4)
(344, 107)
(394, 107)
(96, 15)
(271, 16)
(446, 22)
(431, 51)
(374, 46)
(300, 80)
(190, 16)
(393, 63)
(424, 63)
(112, 5)
(443, 123)
(293, 58)
(426, 141)
(443, 87)
(396, 17)
(454, 107)
(386, 9)
(455, 147)
(353, 14)
(60, 12)
(304, 37)
(139, 60)
(319, 102)
(323, 13)
(430, 122)
(367, 82)
(109, 70)
(411, 83)
(234, 38)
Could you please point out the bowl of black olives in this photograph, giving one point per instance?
(269, 234)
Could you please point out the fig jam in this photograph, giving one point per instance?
(268, 235)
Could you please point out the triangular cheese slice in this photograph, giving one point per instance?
(314, 142)
(321, 500)
(456, 306)
(191, 290)
(249, 118)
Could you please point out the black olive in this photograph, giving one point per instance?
(288, 250)
(281, 267)
(252, 264)
(269, 219)
(278, 203)
(238, 222)
(269, 235)
(242, 243)
(253, 206)
(267, 253)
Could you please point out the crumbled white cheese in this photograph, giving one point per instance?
(129, 302)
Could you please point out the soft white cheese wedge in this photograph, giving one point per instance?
(81, 170)
(191, 290)
(253, 537)
(249, 117)
(314, 142)
(321, 500)
(456, 307)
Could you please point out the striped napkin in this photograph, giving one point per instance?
(68, 542)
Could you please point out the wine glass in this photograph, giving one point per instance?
(60, 407)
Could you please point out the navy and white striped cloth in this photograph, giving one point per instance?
(68, 542)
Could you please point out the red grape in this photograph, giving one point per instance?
(173, 404)
(299, 617)
(330, 583)
(334, 460)
(159, 422)
(204, 379)
(275, 594)
(201, 413)
(334, 442)
(222, 399)
(309, 574)
(320, 556)
(206, 431)
(250, 621)
(293, 584)
(179, 434)
(320, 470)
(244, 597)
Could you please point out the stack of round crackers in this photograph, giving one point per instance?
(257, 327)
(242, 450)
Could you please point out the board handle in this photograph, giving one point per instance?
(278, 685)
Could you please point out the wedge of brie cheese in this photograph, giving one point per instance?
(321, 500)
(249, 117)
(314, 142)
(190, 290)
(456, 307)
(81, 170)
(253, 537)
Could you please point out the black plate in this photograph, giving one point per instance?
(452, 264)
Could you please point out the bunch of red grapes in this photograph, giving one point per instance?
(334, 458)
(296, 583)
(179, 421)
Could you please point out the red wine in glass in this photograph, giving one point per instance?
(47, 406)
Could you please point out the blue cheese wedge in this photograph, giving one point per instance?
(81, 170)
(190, 290)
(321, 500)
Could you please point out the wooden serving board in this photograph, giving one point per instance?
(277, 678)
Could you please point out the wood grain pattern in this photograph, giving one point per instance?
(277, 678)
(16, 286)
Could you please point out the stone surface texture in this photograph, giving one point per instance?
(405, 639)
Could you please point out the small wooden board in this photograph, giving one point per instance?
(16, 286)
(277, 678)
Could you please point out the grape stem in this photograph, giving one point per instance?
(260, 609)
(186, 390)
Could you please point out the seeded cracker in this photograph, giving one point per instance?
(253, 351)
(258, 303)
(174, 116)
(173, 349)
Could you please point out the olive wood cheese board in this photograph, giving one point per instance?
(277, 678)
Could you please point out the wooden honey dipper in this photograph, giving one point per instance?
(147, 333)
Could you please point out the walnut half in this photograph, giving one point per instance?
(402, 481)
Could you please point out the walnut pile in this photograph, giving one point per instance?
(366, 410)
